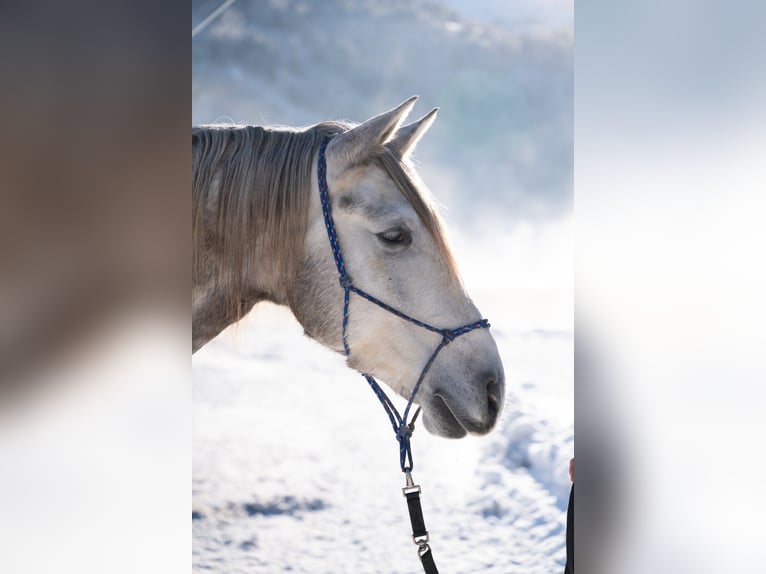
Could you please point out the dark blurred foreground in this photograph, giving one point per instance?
(94, 227)
(94, 213)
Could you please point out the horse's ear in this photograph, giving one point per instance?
(408, 136)
(352, 145)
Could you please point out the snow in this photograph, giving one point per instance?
(295, 465)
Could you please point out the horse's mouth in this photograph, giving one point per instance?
(440, 419)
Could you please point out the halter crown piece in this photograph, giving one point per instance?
(402, 428)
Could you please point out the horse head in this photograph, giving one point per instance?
(394, 248)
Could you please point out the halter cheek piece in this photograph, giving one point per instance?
(402, 428)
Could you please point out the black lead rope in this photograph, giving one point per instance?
(419, 533)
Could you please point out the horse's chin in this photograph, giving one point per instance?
(439, 420)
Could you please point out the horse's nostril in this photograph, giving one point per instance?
(493, 397)
(493, 390)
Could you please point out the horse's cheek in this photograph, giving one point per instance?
(311, 302)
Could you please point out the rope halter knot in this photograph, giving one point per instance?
(345, 281)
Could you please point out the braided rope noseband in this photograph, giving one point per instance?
(402, 428)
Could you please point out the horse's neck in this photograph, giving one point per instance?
(212, 312)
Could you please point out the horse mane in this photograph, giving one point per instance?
(250, 190)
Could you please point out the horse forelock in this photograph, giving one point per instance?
(419, 197)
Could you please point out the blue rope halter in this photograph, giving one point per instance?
(402, 428)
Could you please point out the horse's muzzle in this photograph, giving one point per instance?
(451, 415)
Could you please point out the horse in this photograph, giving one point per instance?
(259, 234)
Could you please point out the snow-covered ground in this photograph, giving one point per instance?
(296, 467)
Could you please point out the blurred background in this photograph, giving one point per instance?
(499, 160)
(501, 74)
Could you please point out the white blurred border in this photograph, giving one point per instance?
(670, 175)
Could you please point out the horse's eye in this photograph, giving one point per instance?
(395, 236)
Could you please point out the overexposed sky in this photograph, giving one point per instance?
(517, 13)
